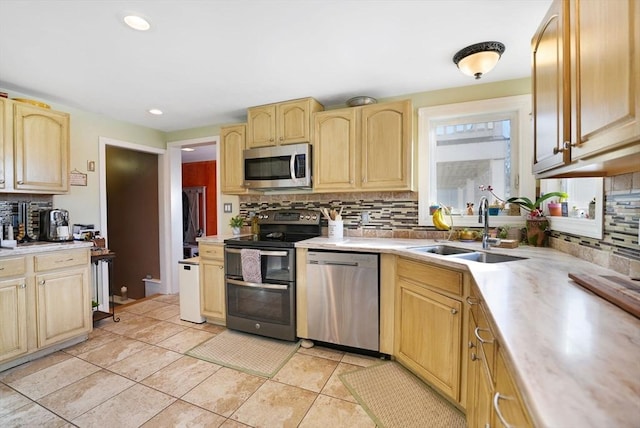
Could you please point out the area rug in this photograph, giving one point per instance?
(251, 354)
(393, 397)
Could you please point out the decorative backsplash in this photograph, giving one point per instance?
(395, 215)
(9, 212)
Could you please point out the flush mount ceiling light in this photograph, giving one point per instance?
(188, 149)
(137, 22)
(155, 111)
(478, 59)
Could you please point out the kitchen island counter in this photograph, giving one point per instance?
(575, 356)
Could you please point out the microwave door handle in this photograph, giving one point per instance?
(292, 165)
(256, 285)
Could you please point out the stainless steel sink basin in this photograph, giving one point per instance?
(443, 250)
(488, 257)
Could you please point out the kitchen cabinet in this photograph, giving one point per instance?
(507, 402)
(428, 324)
(45, 303)
(586, 99)
(63, 295)
(6, 137)
(368, 148)
(287, 122)
(232, 144)
(212, 286)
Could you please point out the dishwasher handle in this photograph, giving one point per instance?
(332, 263)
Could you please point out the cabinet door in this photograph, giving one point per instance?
(261, 126)
(387, 149)
(5, 138)
(293, 122)
(232, 143)
(212, 289)
(483, 409)
(334, 156)
(429, 336)
(41, 149)
(64, 305)
(507, 404)
(605, 75)
(13, 318)
(550, 79)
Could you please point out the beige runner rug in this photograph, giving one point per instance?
(393, 397)
(246, 352)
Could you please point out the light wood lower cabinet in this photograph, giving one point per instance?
(507, 403)
(428, 324)
(45, 300)
(213, 296)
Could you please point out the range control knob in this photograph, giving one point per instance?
(257, 326)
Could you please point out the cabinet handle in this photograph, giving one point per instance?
(454, 311)
(477, 333)
(470, 301)
(23, 285)
(496, 406)
(62, 261)
(41, 282)
(281, 138)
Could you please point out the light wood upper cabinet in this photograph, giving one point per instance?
(335, 150)
(386, 146)
(586, 95)
(5, 138)
(287, 122)
(212, 286)
(550, 79)
(13, 318)
(232, 143)
(41, 149)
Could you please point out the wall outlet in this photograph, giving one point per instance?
(91, 166)
(228, 207)
(364, 217)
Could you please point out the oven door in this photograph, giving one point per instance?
(277, 265)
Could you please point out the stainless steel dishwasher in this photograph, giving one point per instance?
(343, 299)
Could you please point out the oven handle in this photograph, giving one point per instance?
(262, 253)
(256, 285)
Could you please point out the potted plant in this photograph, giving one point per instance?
(537, 223)
(236, 223)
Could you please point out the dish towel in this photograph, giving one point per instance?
(250, 260)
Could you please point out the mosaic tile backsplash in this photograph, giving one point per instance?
(395, 215)
(9, 212)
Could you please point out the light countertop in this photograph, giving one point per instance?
(41, 246)
(576, 357)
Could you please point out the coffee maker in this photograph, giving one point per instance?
(54, 225)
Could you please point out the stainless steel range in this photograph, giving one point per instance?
(260, 273)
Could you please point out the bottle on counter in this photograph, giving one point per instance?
(255, 227)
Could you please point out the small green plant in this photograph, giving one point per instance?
(503, 232)
(534, 207)
(236, 221)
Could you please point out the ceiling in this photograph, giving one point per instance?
(203, 62)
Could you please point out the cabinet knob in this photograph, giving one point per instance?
(220, 267)
(471, 301)
(474, 357)
(281, 138)
(41, 282)
(471, 345)
(557, 150)
(454, 311)
(23, 285)
(271, 140)
(20, 182)
(1, 180)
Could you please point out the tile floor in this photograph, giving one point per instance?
(134, 373)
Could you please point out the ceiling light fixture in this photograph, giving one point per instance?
(188, 149)
(137, 22)
(478, 59)
(155, 111)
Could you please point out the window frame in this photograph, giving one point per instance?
(522, 140)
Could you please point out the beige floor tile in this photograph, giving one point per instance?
(79, 397)
(335, 388)
(230, 423)
(45, 381)
(224, 391)
(181, 376)
(360, 360)
(26, 369)
(32, 415)
(319, 351)
(143, 307)
(156, 332)
(275, 405)
(306, 372)
(131, 408)
(10, 400)
(144, 363)
(95, 340)
(181, 414)
(176, 320)
(130, 324)
(164, 312)
(211, 328)
(114, 351)
(168, 298)
(185, 340)
(332, 412)
(109, 324)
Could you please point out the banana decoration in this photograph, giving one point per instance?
(438, 220)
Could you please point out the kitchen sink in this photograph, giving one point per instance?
(443, 250)
(488, 257)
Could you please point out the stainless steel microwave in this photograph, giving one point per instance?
(281, 167)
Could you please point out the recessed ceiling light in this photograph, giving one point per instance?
(188, 149)
(155, 111)
(137, 22)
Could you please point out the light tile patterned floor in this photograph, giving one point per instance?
(134, 373)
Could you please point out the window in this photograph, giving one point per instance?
(463, 146)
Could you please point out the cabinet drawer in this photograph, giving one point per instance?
(211, 251)
(432, 276)
(12, 267)
(60, 259)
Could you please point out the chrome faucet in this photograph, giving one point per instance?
(483, 210)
